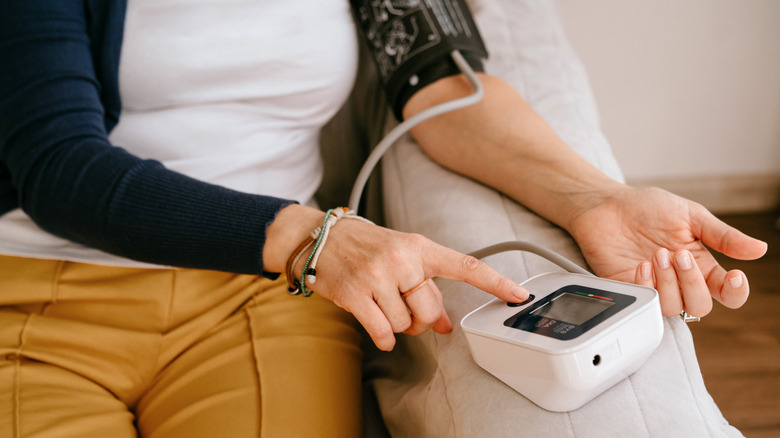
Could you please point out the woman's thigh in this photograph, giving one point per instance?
(282, 366)
(55, 379)
(96, 351)
(42, 400)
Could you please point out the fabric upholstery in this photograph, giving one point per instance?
(429, 386)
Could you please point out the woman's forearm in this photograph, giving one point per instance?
(502, 142)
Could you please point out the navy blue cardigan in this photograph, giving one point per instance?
(59, 99)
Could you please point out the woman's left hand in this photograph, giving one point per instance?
(654, 238)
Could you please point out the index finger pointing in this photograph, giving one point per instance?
(447, 263)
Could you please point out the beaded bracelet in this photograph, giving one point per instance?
(293, 285)
(336, 215)
(322, 235)
(317, 238)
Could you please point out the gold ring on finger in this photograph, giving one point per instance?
(404, 295)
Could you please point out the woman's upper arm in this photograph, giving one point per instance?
(72, 182)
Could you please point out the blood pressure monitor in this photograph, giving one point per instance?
(575, 337)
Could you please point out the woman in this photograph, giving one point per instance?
(142, 239)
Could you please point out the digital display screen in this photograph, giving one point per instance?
(570, 311)
(574, 309)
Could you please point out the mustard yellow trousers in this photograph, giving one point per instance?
(97, 351)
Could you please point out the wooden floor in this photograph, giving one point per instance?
(739, 350)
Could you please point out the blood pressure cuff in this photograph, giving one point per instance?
(411, 41)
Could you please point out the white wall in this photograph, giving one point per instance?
(687, 89)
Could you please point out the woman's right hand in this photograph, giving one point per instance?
(365, 268)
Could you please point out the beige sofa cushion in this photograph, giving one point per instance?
(429, 386)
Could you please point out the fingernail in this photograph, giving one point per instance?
(644, 271)
(519, 292)
(662, 257)
(736, 281)
(684, 260)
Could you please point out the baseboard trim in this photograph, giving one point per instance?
(724, 194)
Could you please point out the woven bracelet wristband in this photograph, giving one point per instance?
(293, 285)
(335, 216)
(338, 214)
(317, 243)
(316, 238)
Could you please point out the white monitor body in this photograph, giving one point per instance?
(592, 340)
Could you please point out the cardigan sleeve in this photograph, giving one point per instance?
(72, 182)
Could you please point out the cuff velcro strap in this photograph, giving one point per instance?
(440, 68)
